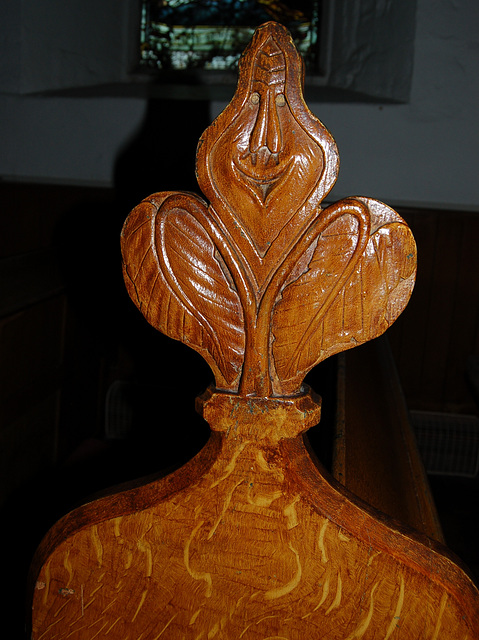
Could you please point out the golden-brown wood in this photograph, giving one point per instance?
(252, 539)
(262, 282)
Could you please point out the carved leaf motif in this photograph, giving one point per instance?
(346, 296)
(176, 276)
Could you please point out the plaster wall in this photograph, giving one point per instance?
(424, 152)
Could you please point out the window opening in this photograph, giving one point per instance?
(211, 34)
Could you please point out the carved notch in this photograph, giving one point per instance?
(263, 282)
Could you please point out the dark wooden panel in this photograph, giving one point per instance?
(31, 213)
(441, 308)
(31, 345)
(439, 329)
(31, 356)
(28, 444)
(465, 319)
(50, 353)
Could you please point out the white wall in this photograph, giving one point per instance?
(71, 140)
(425, 152)
(50, 46)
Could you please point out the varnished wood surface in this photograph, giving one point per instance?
(252, 539)
(180, 566)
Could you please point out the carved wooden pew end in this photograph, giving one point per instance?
(252, 538)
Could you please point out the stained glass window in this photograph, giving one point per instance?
(211, 34)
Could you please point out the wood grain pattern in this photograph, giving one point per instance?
(252, 539)
(260, 545)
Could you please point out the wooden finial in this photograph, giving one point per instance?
(263, 281)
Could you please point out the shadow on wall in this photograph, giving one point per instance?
(162, 376)
(160, 158)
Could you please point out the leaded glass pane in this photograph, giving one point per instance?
(211, 34)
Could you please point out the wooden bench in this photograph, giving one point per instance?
(253, 538)
(375, 451)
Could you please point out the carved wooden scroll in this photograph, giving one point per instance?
(251, 539)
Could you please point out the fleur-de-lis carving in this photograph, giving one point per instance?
(263, 281)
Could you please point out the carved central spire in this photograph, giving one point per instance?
(266, 139)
